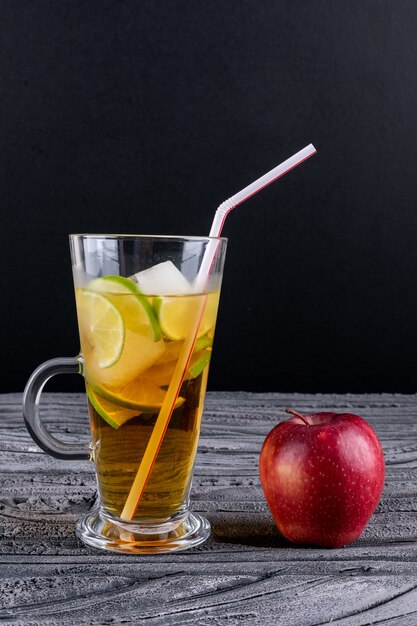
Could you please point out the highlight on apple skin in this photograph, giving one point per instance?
(322, 476)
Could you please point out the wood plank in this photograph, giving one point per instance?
(246, 573)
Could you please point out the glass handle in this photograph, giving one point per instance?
(31, 399)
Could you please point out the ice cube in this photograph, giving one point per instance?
(163, 279)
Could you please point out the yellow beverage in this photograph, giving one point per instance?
(131, 344)
(118, 453)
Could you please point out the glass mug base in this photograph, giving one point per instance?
(99, 530)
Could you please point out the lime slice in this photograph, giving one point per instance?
(177, 314)
(136, 309)
(101, 327)
(113, 414)
(142, 345)
(140, 394)
(198, 362)
(203, 342)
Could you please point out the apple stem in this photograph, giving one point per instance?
(297, 414)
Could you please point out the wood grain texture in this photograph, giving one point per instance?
(245, 574)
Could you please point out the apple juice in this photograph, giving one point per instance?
(117, 454)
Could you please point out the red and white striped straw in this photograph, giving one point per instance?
(171, 395)
(226, 206)
(257, 185)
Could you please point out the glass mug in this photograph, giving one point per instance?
(146, 331)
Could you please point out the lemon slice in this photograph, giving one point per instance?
(140, 394)
(177, 314)
(101, 327)
(113, 414)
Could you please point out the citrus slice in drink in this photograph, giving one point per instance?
(177, 314)
(173, 349)
(113, 414)
(134, 305)
(140, 394)
(161, 373)
(142, 345)
(198, 362)
(101, 327)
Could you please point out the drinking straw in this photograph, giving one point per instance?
(226, 206)
(180, 370)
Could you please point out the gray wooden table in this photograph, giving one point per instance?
(245, 573)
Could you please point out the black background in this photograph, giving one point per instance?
(142, 116)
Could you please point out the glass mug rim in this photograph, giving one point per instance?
(202, 238)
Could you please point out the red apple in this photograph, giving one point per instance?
(322, 475)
